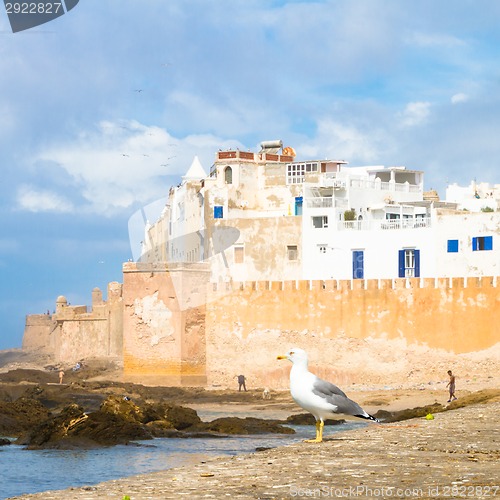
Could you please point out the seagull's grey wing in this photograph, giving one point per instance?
(336, 397)
(323, 388)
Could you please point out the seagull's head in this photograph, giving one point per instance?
(295, 355)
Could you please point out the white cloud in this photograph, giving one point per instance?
(119, 164)
(341, 141)
(33, 199)
(434, 40)
(458, 98)
(415, 113)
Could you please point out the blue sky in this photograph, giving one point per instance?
(372, 82)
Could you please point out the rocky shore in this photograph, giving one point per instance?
(455, 455)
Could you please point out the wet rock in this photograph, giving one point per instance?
(73, 428)
(419, 411)
(308, 419)
(4, 442)
(20, 415)
(161, 428)
(249, 425)
(179, 417)
(122, 407)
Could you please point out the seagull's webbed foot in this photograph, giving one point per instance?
(319, 433)
(316, 440)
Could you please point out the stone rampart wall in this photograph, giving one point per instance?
(73, 333)
(358, 326)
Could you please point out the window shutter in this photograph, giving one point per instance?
(488, 242)
(417, 263)
(218, 212)
(401, 273)
(474, 243)
(452, 246)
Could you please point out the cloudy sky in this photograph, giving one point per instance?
(102, 109)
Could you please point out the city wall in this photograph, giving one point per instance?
(358, 329)
(73, 333)
(171, 326)
(164, 323)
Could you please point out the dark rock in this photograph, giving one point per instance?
(419, 411)
(4, 442)
(122, 407)
(249, 425)
(21, 415)
(73, 428)
(179, 417)
(161, 428)
(308, 419)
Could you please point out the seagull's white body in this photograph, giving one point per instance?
(317, 396)
(301, 384)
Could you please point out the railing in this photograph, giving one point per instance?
(367, 225)
(319, 202)
(246, 155)
(332, 179)
(326, 202)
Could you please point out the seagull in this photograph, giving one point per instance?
(319, 397)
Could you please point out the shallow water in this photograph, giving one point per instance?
(31, 471)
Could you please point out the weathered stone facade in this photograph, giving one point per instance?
(173, 327)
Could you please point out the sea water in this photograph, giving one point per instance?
(31, 471)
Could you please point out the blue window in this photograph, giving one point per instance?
(409, 263)
(452, 246)
(482, 243)
(218, 212)
(357, 265)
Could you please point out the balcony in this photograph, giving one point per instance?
(325, 202)
(385, 224)
(333, 179)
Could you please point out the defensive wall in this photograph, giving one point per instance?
(72, 333)
(171, 326)
(353, 330)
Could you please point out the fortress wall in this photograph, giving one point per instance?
(365, 326)
(37, 333)
(81, 338)
(72, 333)
(163, 338)
(173, 327)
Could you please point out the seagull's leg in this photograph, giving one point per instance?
(319, 433)
(321, 425)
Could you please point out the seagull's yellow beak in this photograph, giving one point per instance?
(281, 357)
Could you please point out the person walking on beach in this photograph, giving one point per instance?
(451, 385)
(61, 375)
(241, 383)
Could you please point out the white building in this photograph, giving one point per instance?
(264, 216)
(475, 197)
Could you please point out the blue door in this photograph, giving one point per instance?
(409, 263)
(298, 205)
(357, 265)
